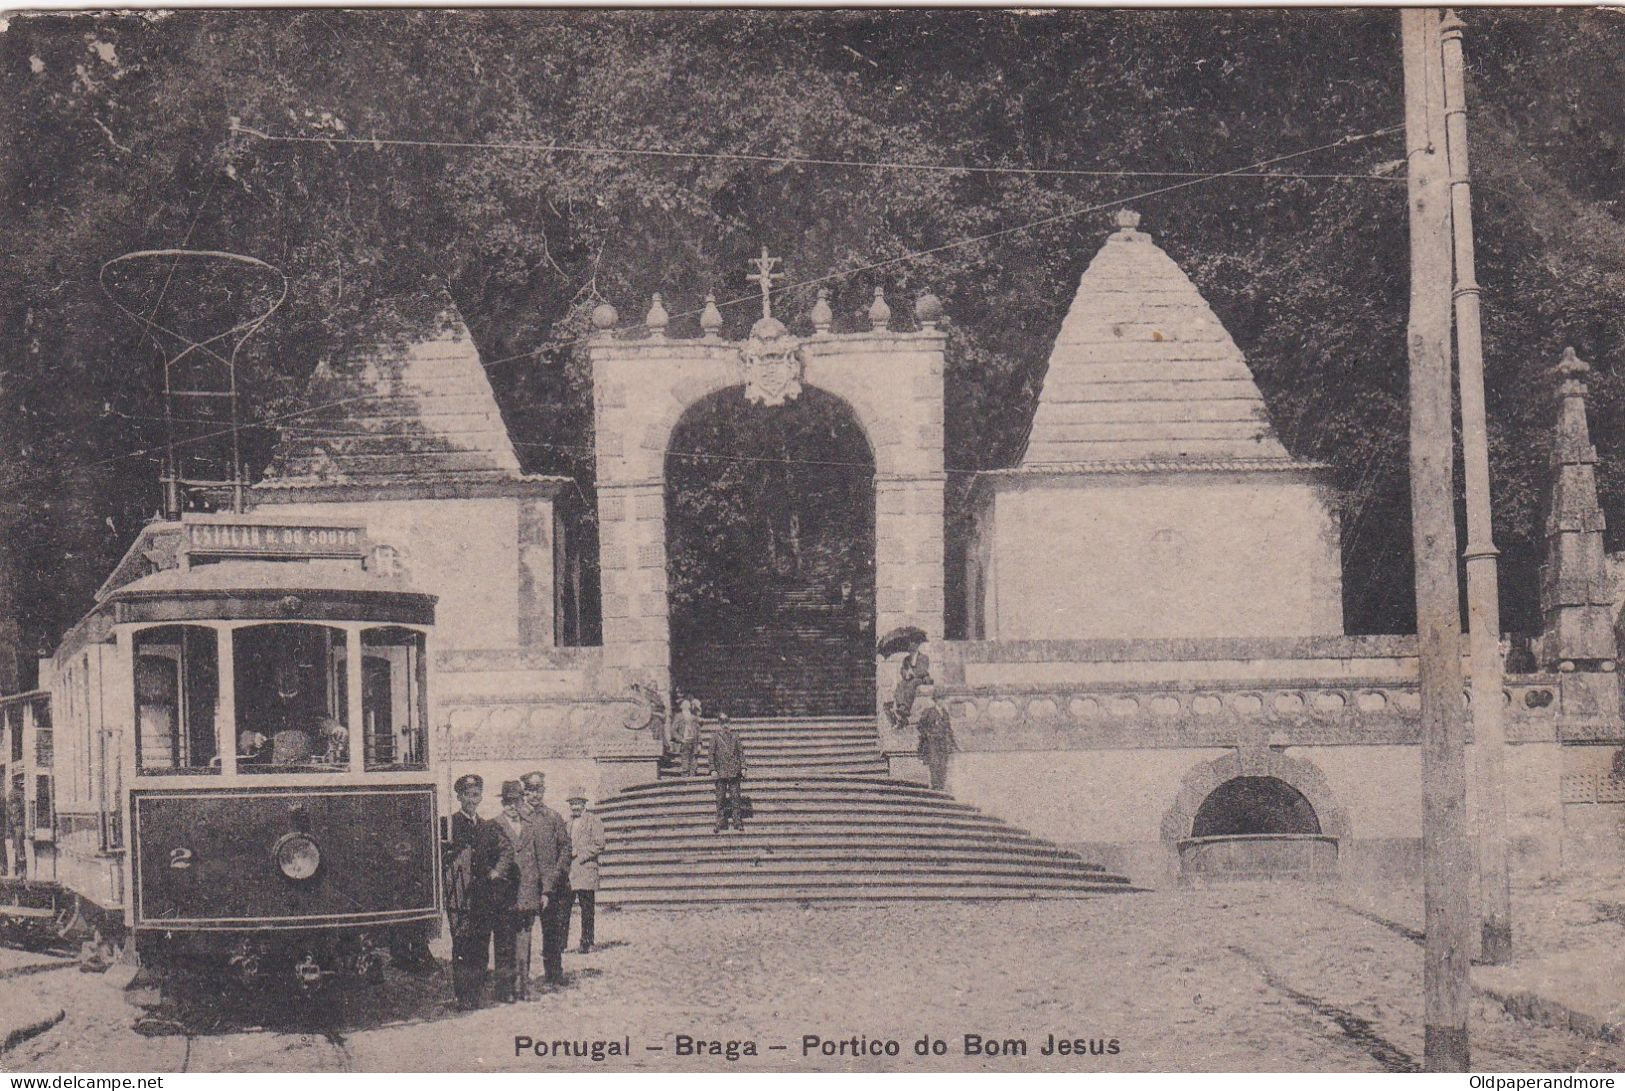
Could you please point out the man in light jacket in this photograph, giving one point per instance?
(587, 842)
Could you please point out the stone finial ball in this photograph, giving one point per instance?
(928, 308)
(605, 317)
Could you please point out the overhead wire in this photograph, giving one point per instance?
(551, 147)
(1343, 141)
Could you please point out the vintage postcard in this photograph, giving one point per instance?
(916, 540)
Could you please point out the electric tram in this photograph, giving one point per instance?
(241, 766)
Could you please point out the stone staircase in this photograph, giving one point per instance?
(839, 745)
(828, 826)
(808, 657)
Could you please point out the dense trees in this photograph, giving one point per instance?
(119, 136)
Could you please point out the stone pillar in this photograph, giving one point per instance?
(1575, 588)
(632, 559)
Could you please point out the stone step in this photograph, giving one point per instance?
(779, 780)
(826, 790)
(791, 744)
(855, 804)
(880, 859)
(752, 842)
(797, 873)
(871, 763)
(882, 891)
(785, 823)
(758, 880)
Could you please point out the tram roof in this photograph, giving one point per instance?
(268, 591)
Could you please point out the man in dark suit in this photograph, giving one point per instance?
(468, 894)
(506, 841)
(727, 756)
(936, 738)
(551, 837)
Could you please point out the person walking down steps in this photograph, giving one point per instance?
(727, 756)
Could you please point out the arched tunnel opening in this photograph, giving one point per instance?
(1254, 805)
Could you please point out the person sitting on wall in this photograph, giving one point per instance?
(912, 673)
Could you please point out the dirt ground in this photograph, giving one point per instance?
(1243, 978)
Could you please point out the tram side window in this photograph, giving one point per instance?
(176, 691)
(393, 692)
(291, 704)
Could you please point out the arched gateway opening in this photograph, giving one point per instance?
(770, 556)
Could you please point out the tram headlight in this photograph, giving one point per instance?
(297, 856)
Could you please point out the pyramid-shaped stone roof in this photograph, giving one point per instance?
(413, 413)
(1143, 372)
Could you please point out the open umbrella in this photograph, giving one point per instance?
(904, 638)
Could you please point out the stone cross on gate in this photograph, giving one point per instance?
(765, 276)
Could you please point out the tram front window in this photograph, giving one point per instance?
(291, 706)
(393, 716)
(176, 690)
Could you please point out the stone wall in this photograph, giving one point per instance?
(1149, 554)
(1111, 746)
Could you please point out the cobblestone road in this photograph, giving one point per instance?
(1247, 978)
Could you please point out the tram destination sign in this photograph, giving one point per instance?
(270, 540)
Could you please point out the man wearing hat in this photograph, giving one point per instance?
(551, 838)
(468, 893)
(512, 878)
(586, 845)
(936, 738)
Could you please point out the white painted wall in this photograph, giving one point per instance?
(1135, 556)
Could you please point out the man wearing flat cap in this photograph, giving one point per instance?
(586, 845)
(552, 899)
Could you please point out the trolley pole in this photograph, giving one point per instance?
(1483, 595)
(1446, 860)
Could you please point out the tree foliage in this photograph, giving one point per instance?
(119, 137)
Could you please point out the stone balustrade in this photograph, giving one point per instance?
(1223, 713)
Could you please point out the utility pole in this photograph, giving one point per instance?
(1446, 861)
(1483, 596)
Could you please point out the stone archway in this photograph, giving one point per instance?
(770, 542)
(891, 380)
(1302, 777)
(1255, 814)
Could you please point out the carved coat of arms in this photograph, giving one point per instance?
(770, 364)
